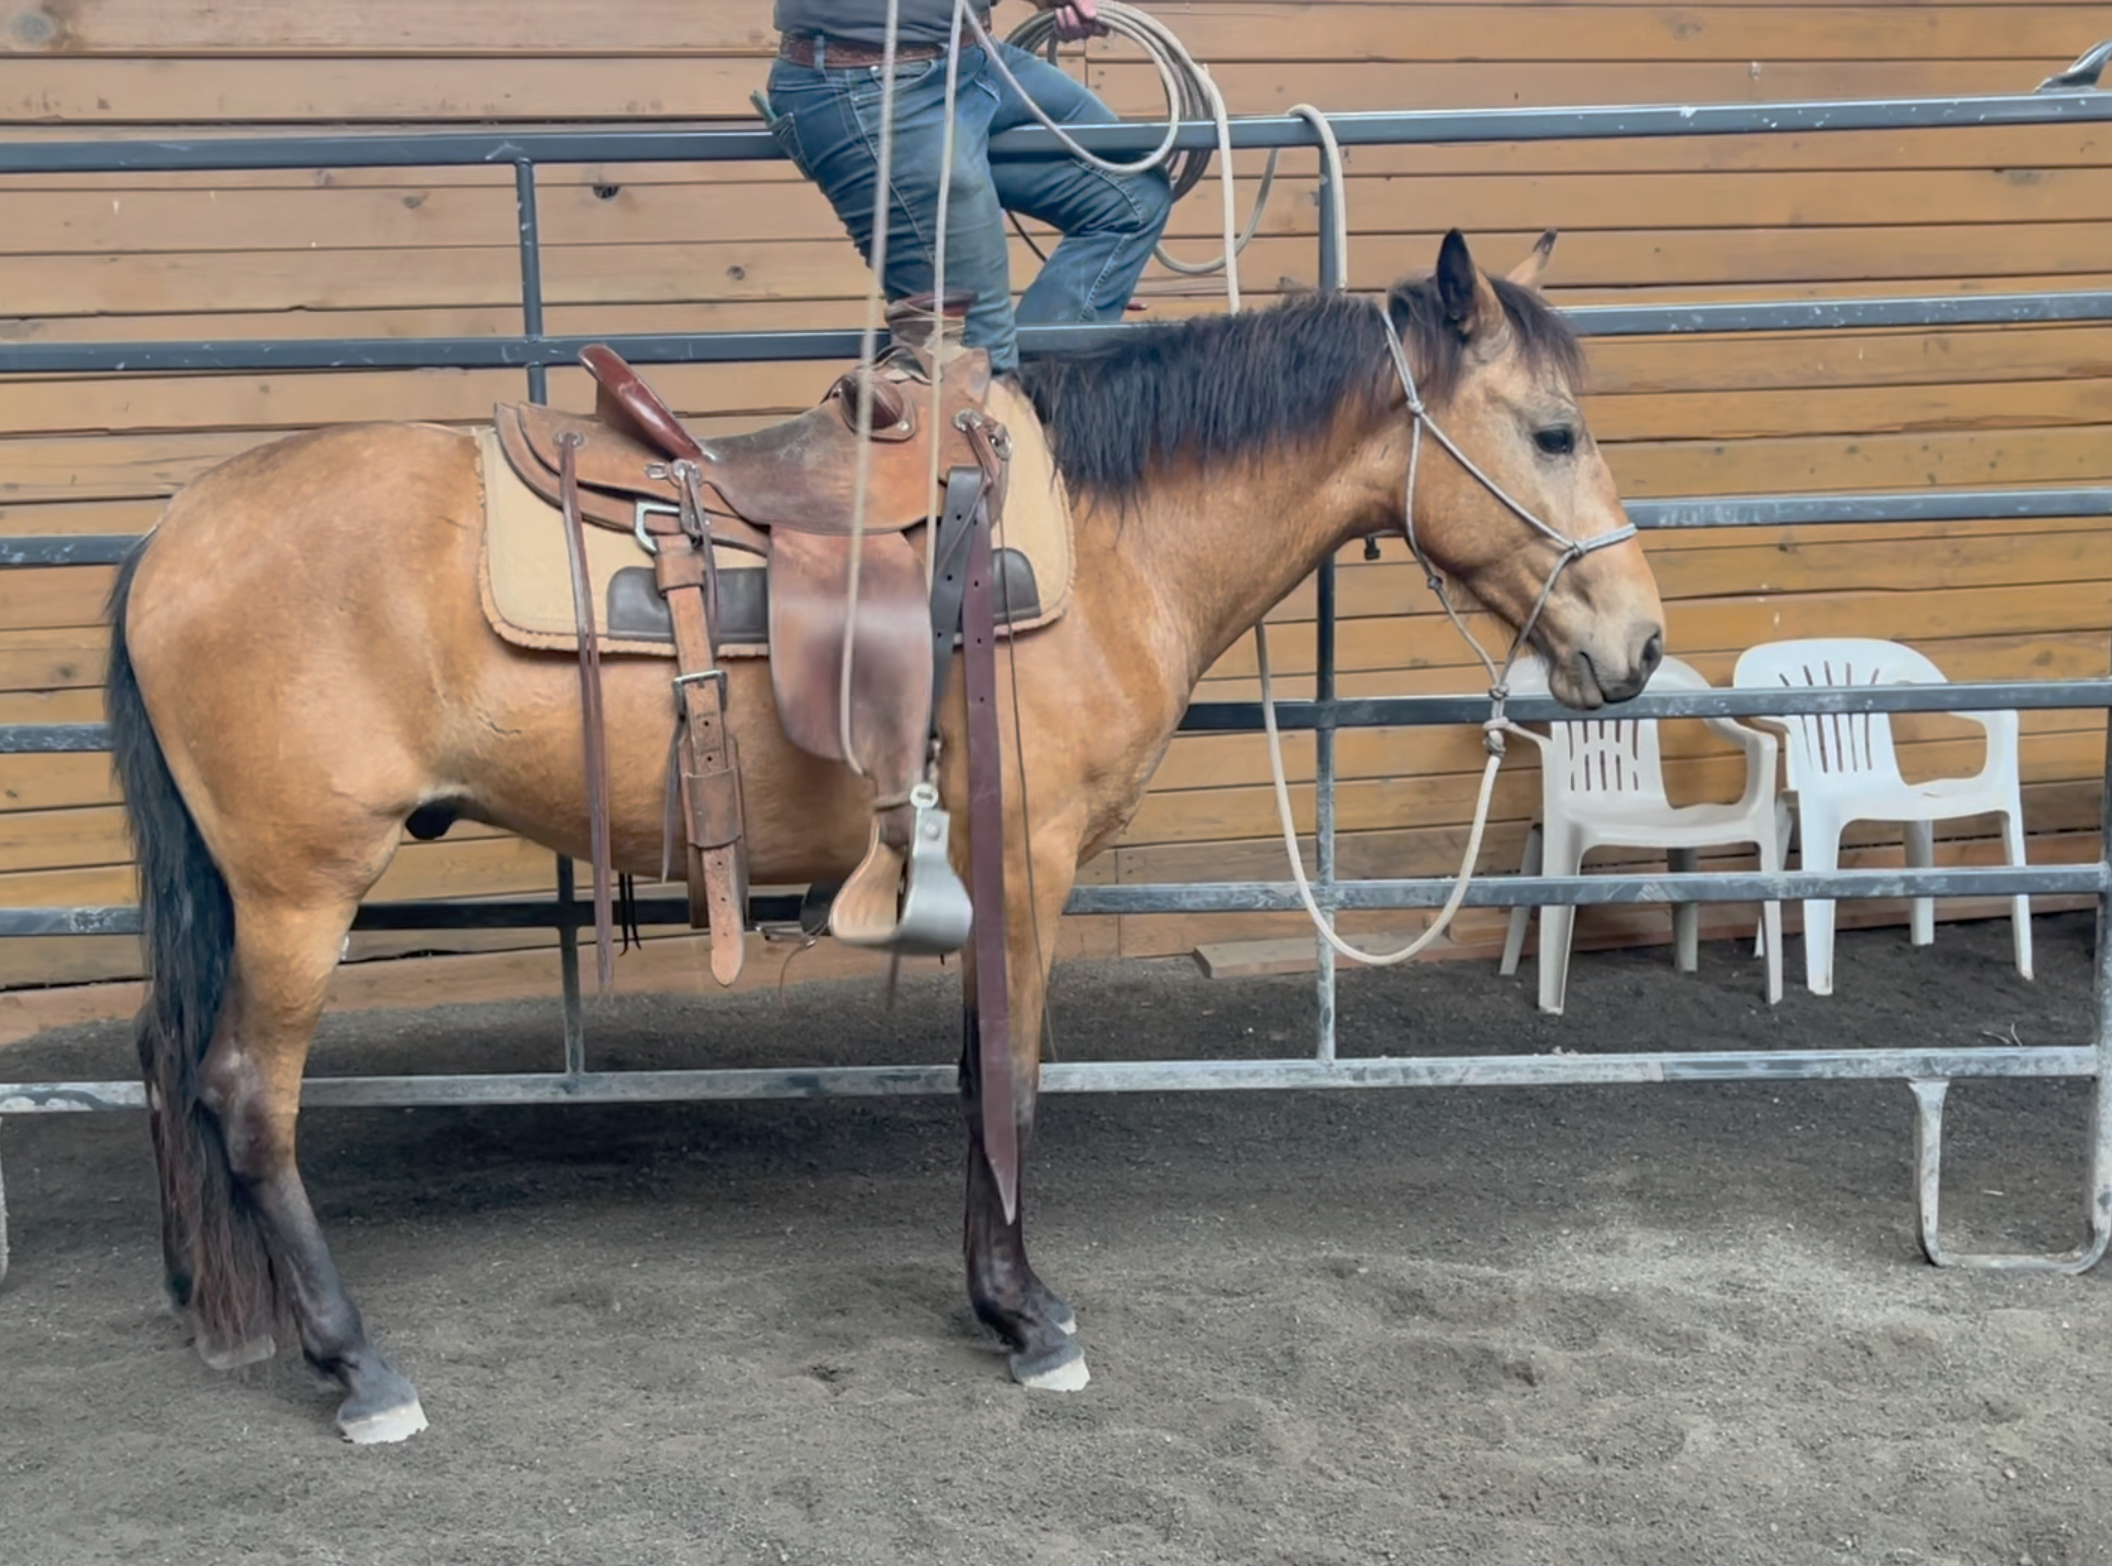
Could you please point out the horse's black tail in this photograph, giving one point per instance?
(219, 1269)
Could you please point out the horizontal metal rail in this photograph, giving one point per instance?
(1372, 712)
(1969, 505)
(526, 351)
(1142, 1076)
(455, 149)
(1509, 891)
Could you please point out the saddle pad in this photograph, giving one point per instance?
(526, 574)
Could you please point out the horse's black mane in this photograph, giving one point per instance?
(1229, 387)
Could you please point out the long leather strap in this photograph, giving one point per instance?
(591, 718)
(709, 758)
(949, 576)
(986, 851)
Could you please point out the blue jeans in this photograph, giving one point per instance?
(828, 122)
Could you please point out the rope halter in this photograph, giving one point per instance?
(1568, 550)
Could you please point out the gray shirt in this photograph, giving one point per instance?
(865, 21)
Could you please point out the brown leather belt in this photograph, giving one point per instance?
(845, 54)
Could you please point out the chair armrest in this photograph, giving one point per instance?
(1760, 747)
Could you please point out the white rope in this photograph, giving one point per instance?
(1187, 86)
(868, 348)
(1497, 725)
(1321, 922)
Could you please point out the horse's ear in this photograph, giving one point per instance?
(1470, 301)
(1527, 273)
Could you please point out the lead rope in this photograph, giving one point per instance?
(1497, 724)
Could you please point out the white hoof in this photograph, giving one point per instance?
(391, 1424)
(1064, 1371)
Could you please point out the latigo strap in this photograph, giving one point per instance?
(595, 735)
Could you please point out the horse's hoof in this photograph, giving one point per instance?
(385, 1425)
(233, 1356)
(386, 1410)
(1062, 1369)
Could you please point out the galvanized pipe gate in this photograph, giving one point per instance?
(2067, 97)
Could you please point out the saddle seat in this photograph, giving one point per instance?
(800, 476)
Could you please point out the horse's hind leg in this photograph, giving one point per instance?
(284, 956)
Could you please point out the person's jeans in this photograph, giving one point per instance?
(828, 122)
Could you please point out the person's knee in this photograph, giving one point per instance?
(1152, 196)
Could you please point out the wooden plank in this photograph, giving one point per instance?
(1213, 30)
(1629, 366)
(419, 214)
(95, 834)
(1133, 88)
(1728, 566)
(1734, 415)
(1619, 366)
(644, 87)
(54, 596)
(2025, 655)
(1210, 815)
(76, 706)
(46, 660)
(300, 400)
(1205, 761)
(2019, 148)
(483, 868)
(115, 467)
(1727, 624)
(55, 782)
(737, 270)
(1219, 33)
(1949, 460)
(233, 28)
(733, 271)
(2058, 808)
(32, 520)
(73, 960)
(88, 90)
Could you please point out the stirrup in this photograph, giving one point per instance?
(928, 914)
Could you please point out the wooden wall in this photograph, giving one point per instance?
(355, 252)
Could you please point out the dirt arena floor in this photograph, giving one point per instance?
(1646, 1326)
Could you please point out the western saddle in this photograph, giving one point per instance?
(791, 494)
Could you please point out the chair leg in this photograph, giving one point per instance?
(1784, 824)
(2019, 908)
(1514, 938)
(1821, 840)
(1686, 917)
(1772, 856)
(1562, 854)
(1921, 855)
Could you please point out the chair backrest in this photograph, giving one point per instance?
(1606, 756)
(1828, 746)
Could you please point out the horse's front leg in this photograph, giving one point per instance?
(1036, 1323)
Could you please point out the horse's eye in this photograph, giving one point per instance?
(1557, 441)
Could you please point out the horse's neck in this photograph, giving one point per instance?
(1214, 554)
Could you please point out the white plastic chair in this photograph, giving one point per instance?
(1842, 768)
(1603, 784)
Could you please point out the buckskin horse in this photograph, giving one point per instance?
(300, 663)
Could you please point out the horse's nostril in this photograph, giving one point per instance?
(1653, 652)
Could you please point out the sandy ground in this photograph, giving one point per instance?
(1638, 1326)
